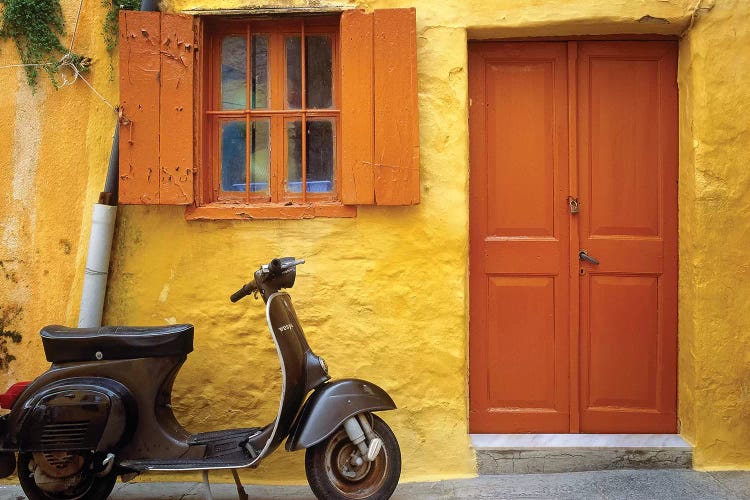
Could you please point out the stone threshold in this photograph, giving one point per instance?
(549, 453)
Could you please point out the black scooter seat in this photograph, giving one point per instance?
(63, 345)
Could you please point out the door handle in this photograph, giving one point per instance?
(582, 255)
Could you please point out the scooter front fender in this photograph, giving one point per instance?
(329, 407)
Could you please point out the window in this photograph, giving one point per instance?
(247, 117)
(265, 87)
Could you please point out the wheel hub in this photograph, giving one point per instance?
(354, 481)
(351, 464)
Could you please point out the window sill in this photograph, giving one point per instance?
(224, 211)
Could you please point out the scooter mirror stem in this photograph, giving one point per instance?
(292, 264)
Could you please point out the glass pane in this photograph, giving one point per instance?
(294, 156)
(260, 159)
(233, 72)
(233, 155)
(319, 69)
(320, 156)
(293, 72)
(259, 64)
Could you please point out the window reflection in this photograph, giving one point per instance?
(320, 156)
(319, 71)
(293, 72)
(259, 64)
(233, 155)
(233, 72)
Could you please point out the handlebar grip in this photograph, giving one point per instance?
(242, 292)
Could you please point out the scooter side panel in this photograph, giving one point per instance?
(330, 405)
(149, 380)
(81, 413)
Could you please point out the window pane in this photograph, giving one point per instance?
(293, 72)
(233, 72)
(233, 155)
(320, 156)
(259, 62)
(319, 69)
(260, 159)
(294, 156)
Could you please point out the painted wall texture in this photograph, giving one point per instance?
(383, 296)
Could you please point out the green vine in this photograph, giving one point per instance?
(111, 25)
(36, 27)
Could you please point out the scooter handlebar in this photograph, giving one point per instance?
(246, 290)
(273, 269)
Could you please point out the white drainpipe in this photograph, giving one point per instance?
(97, 264)
(100, 245)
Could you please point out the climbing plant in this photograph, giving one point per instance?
(110, 20)
(36, 26)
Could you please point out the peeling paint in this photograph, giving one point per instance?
(653, 20)
(9, 316)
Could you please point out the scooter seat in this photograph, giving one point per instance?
(63, 345)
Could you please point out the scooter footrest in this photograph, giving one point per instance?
(185, 464)
(230, 434)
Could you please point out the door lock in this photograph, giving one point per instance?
(573, 205)
(582, 255)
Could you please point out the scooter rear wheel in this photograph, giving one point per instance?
(332, 476)
(90, 486)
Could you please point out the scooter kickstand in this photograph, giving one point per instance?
(208, 486)
(241, 493)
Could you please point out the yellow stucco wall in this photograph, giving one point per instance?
(714, 327)
(383, 296)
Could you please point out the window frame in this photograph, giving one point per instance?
(208, 117)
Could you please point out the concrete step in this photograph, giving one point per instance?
(548, 453)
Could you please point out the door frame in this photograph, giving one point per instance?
(573, 178)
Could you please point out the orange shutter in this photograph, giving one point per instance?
(357, 119)
(379, 115)
(156, 106)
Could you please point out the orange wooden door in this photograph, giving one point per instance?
(556, 344)
(627, 163)
(519, 232)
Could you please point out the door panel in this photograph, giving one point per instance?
(524, 354)
(521, 192)
(519, 235)
(621, 342)
(623, 145)
(627, 160)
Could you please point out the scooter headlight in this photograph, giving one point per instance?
(323, 365)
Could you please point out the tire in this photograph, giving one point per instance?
(90, 487)
(373, 481)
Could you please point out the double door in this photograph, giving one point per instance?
(573, 237)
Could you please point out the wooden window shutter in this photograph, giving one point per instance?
(156, 108)
(379, 115)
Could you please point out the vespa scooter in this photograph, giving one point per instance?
(103, 410)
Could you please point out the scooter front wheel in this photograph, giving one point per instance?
(81, 484)
(335, 473)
